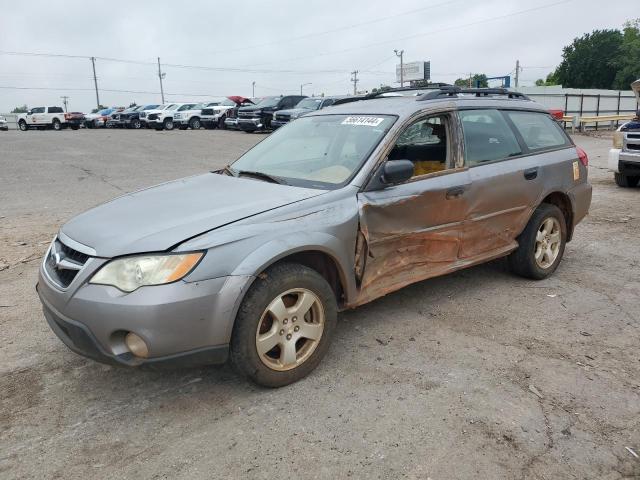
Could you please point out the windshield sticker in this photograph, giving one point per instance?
(367, 121)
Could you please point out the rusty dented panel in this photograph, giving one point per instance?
(410, 232)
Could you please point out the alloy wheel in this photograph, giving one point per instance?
(290, 329)
(548, 241)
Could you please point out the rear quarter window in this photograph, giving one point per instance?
(538, 130)
(487, 137)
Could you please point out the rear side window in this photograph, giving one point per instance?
(55, 110)
(538, 130)
(487, 137)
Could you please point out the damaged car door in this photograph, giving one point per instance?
(411, 231)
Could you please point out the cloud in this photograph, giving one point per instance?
(278, 42)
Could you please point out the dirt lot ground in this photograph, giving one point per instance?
(430, 382)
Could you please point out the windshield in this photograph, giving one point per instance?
(309, 103)
(172, 107)
(269, 102)
(187, 106)
(320, 151)
(151, 107)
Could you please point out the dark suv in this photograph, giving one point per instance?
(258, 117)
(132, 118)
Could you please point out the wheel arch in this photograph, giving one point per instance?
(324, 256)
(563, 202)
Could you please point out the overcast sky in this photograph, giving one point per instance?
(279, 44)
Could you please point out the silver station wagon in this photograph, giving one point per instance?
(342, 206)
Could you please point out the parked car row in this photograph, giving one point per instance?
(233, 112)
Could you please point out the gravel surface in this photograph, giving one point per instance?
(475, 375)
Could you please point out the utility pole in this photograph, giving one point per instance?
(65, 102)
(253, 89)
(401, 55)
(95, 81)
(517, 72)
(161, 76)
(304, 85)
(354, 79)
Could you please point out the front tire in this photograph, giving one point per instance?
(55, 124)
(626, 181)
(541, 244)
(22, 125)
(195, 124)
(136, 124)
(284, 325)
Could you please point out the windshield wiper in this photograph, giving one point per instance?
(264, 176)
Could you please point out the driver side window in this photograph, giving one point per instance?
(425, 143)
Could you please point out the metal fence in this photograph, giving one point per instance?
(589, 104)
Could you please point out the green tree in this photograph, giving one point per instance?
(585, 62)
(96, 110)
(627, 61)
(22, 109)
(548, 82)
(479, 79)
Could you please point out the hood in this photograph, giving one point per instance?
(250, 108)
(161, 217)
(635, 86)
(296, 111)
(239, 100)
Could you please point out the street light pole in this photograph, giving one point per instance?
(304, 85)
(401, 55)
(253, 89)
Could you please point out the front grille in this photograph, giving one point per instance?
(153, 116)
(248, 115)
(282, 118)
(63, 263)
(633, 146)
(208, 111)
(633, 135)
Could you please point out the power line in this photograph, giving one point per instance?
(423, 34)
(334, 30)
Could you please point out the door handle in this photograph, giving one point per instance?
(454, 192)
(531, 173)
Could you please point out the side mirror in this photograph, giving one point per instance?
(396, 171)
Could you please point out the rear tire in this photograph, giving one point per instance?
(541, 244)
(22, 125)
(626, 181)
(55, 124)
(308, 307)
(75, 127)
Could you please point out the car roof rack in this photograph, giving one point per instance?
(452, 92)
(384, 93)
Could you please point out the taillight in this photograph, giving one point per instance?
(557, 114)
(582, 155)
(66, 116)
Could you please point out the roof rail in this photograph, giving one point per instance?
(453, 92)
(382, 93)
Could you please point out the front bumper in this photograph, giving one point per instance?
(624, 161)
(279, 123)
(250, 124)
(185, 323)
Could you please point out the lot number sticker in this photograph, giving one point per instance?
(576, 171)
(367, 121)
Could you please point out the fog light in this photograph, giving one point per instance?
(136, 345)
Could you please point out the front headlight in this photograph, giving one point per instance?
(618, 138)
(130, 273)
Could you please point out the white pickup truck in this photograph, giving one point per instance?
(624, 157)
(213, 114)
(189, 115)
(44, 117)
